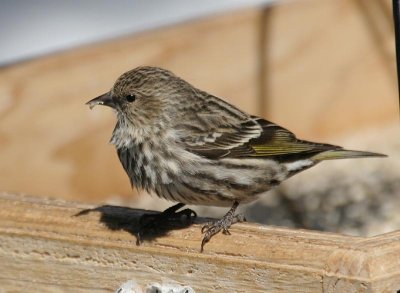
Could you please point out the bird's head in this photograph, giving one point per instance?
(143, 96)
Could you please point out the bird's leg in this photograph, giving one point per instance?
(223, 224)
(153, 221)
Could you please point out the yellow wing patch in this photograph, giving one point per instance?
(282, 143)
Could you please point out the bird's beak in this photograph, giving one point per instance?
(105, 100)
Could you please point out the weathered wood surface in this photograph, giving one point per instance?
(45, 248)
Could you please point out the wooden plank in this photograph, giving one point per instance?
(45, 248)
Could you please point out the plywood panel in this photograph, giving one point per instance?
(332, 66)
(318, 69)
(51, 143)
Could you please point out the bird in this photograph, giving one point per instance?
(191, 147)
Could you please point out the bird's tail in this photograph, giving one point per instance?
(344, 154)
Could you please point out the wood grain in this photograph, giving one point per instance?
(45, 248)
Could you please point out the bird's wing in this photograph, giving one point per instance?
(278, 142)
(223, 141)
(230, 133)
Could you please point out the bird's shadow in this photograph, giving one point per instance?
(139, 222)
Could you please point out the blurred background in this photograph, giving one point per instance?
(325, 69)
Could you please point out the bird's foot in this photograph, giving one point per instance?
(168, 217)
(223, 224)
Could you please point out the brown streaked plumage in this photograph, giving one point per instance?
(191, 147)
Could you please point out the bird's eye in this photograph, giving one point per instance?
(130, 98)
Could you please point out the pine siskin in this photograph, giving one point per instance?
(191, 147)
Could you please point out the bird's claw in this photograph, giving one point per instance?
(212, 228)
